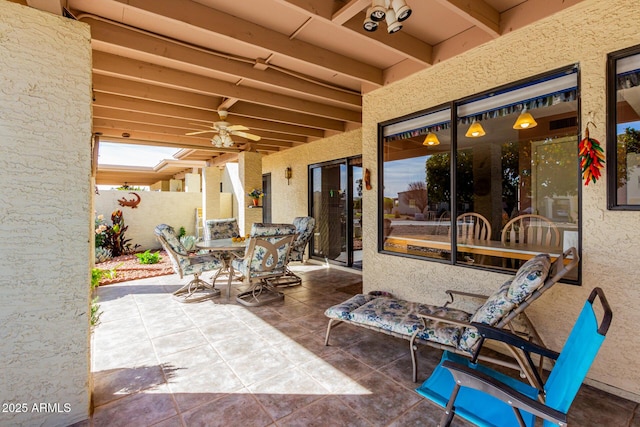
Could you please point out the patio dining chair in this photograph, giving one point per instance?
(184, 264)
(487, 397)
(266, 257)
(304, 228)
(475, 227)
(222, 228)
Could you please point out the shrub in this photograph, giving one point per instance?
(112, 237)
(149, 258)
(96, 275)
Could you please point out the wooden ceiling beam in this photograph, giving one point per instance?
(238, 30)
(351, 16)
(161, 129)
(181, 124)
(145, 137)
(407, 45)
(116, 38)
(195, 115)
(136, 89)
(130, 88)
(118, 66)
(478, 13)
(349, 10)
(256, 111)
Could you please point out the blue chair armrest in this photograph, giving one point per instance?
(503, 335)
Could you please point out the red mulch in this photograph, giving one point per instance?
(129, 268)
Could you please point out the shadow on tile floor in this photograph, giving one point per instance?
(158, 362)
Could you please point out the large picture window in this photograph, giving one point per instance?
(495, 189)
(623, 146)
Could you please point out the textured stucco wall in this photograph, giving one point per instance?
(45, 233)
(290, 200)
(582, 34)
(156, 207)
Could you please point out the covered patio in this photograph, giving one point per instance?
(74, 78)
(157, 362)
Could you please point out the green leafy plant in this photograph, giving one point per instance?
(96, 275)
(112, 237)
(126, 187)
(149, 258)
(181, 232)
(256, 193)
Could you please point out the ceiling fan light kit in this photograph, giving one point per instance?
(224, 130)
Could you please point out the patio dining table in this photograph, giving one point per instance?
(225, 250)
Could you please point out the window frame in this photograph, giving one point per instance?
(611, 149)
(453, 106)
(380, 181)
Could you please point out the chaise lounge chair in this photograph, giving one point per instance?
(450, 329)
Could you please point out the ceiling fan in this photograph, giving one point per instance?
(224, 130)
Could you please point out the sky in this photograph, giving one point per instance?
(132, 155)
(398, 174)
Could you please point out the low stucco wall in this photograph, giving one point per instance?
(45, 236)
(291, 199)
(582, 34)
(155, 207)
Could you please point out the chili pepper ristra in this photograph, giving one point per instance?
(591, 157)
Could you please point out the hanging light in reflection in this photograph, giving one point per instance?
(525, 120)
(431, 139)
(475, 130)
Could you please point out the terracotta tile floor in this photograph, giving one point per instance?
(158, 362)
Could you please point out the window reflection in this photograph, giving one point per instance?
(624, 173)
(417, 182)
(516, 182)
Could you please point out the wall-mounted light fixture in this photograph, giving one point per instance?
(391, 11)
(475, 130)
(288, 173)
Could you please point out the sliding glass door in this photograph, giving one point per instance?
(335, 204)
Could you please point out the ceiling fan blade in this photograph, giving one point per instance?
(234, 128)
(199, 132)
(250, 136)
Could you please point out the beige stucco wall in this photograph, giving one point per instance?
(155, 207)
(582, 34)
(290, 200)
(45, 216)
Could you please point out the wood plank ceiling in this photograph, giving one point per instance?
(292, 71)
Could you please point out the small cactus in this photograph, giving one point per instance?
(102, 254)
(189, 243)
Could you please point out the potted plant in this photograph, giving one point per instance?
(255, 194)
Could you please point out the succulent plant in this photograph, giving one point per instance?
(189, 242)
(102, 254)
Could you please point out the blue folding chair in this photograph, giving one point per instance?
(486, 397)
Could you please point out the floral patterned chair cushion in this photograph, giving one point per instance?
(343, 310)
(399, 317)
(267, 256)
(225, 228)
(169, 235)
(490, 313)
(182, 263)
(304, 227)
(529, 277)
